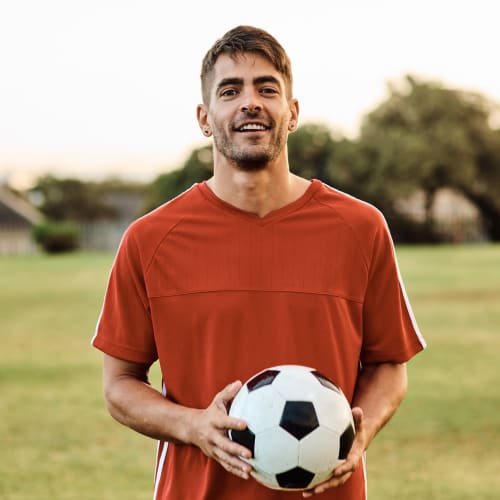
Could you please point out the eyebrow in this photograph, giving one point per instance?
(256, 81)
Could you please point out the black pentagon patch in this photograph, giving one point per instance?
(325, 381)
(245, 437)
(299, 418)
(262, 379)
(297, 478)
(346, 440)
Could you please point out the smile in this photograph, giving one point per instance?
(251, 127)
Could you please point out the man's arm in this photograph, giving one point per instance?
(132, 401)
(380, 388)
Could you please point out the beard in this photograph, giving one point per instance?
(251, 157)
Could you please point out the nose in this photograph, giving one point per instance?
(251, 102)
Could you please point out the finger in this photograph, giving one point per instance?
(321, 488)
(232, 463)
(223, 422)
(227, 394)
(234, 469)
(232, 459)
(351, 463)
(234, 423)
(232, 447)
(357, 449)
(358, 417)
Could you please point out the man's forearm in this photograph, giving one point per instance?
(379, 391)
(132, 401)
(141, 407)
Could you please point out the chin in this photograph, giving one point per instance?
(253, 165)
(253, 162)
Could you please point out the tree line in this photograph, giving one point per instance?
(422, 138)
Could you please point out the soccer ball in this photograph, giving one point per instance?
(299, 426)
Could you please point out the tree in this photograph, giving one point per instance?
(310, 150)
(428, 137)
(80, 201)
(197, 168)
(484, 190)
(70, 200)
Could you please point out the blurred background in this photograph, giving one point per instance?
(98, 99)
(400, 106)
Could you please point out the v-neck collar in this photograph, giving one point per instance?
(266, 219)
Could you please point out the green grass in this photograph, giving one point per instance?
(443, 442)
(56, 438)
(57, 441)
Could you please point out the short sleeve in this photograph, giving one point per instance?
(124, 329)
(390, 332)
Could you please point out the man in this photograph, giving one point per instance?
(254, 268)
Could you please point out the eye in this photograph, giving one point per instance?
(268, 90)
(228, 92)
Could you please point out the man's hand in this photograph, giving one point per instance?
(209, 432)
(134, 403)
(344, 471)
(379, 391)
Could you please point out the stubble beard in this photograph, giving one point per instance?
(251, 158)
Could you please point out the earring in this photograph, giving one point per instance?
(206, 131)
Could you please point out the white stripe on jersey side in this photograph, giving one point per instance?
(400, 279)
(408, 306)
(102, 307)
(363, 464)
(161, 459)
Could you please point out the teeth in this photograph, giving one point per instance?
(252, 126)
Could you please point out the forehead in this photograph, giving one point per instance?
(246, 66)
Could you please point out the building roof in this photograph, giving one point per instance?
(14, 210)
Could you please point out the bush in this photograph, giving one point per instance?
(57, 237)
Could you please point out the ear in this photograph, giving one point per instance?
(202, 117)
(294, 115)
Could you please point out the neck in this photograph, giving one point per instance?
(259, 192)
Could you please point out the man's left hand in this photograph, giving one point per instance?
(344, 471)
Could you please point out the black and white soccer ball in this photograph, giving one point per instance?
(299, 426)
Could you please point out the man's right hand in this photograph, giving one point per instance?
(208, 431)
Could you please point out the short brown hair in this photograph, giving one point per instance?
(241, 40)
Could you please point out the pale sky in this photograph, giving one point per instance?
(95, 88)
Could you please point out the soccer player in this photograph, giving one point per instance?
(254, 268)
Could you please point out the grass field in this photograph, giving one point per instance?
(57, 441)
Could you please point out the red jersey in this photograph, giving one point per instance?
(217, 294)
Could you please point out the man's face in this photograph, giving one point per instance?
(249, 113)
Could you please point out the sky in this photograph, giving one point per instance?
(109, 88)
